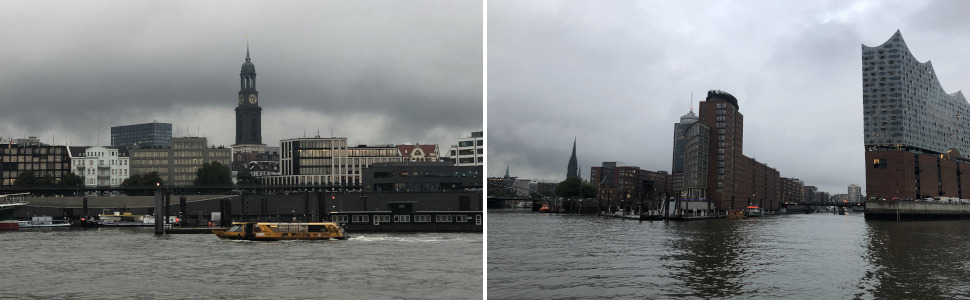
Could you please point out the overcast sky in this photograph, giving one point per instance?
(617, 75)
(372, 71)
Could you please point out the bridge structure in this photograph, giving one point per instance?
(809, 207)
(830, 204)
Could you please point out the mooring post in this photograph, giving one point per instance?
(168, 198)
(159, 228)
(85, 208)
(182, 212)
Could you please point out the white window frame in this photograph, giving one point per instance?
(443, 218)
(422, 218)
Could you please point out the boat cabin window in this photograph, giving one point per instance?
(235, 228)
(460, 218)
(316, 228)
(257, 228)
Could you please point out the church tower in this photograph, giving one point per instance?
(572, 169)
(249, 136)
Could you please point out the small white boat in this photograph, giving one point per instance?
(125, 219)
(753, 211)
(43, 221)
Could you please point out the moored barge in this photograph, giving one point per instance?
(401, 217)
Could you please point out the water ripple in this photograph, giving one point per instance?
(819, 256)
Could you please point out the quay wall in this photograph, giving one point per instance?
(304, 206)
(898, 210)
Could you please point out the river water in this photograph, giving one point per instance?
(816, 256)
(133, 263)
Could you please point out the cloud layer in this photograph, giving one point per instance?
(374, 71)
(618, 75)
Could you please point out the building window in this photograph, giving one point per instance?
(360, 218)
(381, 218)
(879, 163)
(443, 218)
(402, 218)
(422, 218)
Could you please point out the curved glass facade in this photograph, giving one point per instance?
(905, 106)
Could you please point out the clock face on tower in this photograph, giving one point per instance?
(252, 99)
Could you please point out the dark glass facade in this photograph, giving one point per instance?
(421, 177)
(141, 135)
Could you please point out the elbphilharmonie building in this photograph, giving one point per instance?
(914, 131)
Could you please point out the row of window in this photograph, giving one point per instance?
(471, 143)
(400, 218)
(21, 158)
(33, 150)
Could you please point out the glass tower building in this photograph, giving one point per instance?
(141, 135)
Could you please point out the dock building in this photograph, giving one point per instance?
(470, 151)
(915, 132)
(33, 156)
(626, 187)
(177, 165)
(714, 168)
(327, 162)
(100, 166)
(680, 142)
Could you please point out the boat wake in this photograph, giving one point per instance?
(403, 239)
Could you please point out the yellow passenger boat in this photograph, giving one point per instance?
(275, 231)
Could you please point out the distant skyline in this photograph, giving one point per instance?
(618, 75)
(376, 72)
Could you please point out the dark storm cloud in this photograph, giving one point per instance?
(376, 71)
(618, 75)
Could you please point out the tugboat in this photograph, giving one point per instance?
(753, 211)
(275, 231)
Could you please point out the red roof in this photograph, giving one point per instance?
(426, 150)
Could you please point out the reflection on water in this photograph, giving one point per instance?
(819, 256)
(926, 260)
(133, 263)
(708, 259)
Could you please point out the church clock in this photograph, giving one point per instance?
(248, 115)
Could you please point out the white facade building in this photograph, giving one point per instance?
(101, 166)
(855, 193)
(470, 151)
(327, 162)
